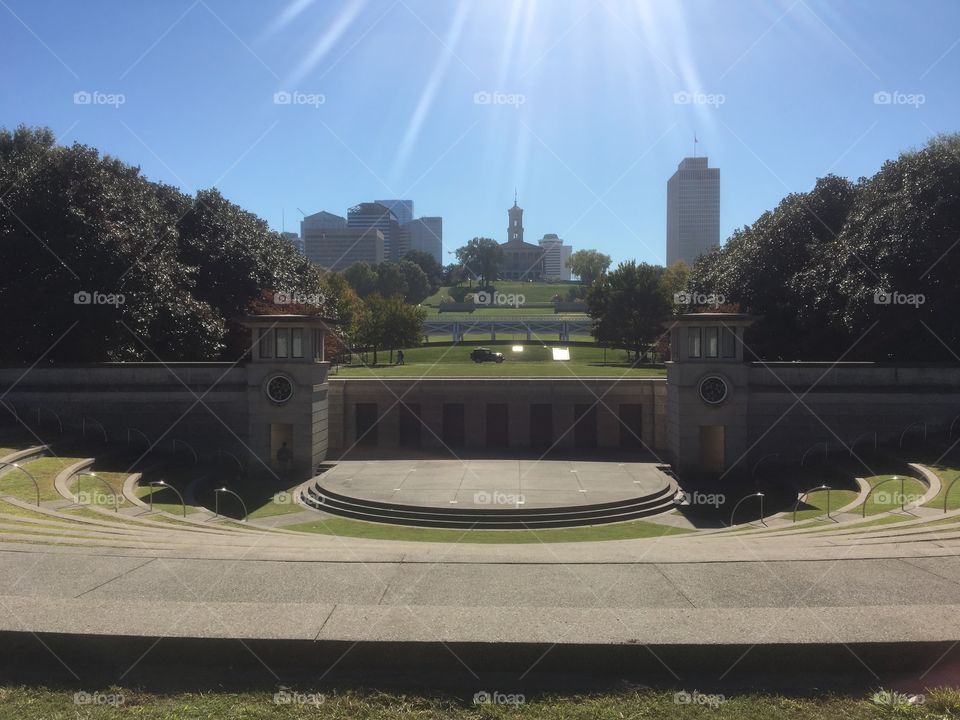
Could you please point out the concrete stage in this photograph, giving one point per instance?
(494, 484)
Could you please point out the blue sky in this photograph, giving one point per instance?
(592, 103)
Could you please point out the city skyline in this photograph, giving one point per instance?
(280, 106)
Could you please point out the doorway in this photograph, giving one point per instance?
(712, 448)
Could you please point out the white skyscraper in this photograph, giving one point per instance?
(693, 210)
(555, 257)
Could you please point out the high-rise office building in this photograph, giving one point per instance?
(401, 209)
(322, 221)
(693, 210)
(555, 257)
(339, 248)
(424, 234)
(375, 215)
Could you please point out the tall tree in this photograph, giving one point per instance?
(362, 278)
(481, 258)
(588, 265)
(629, 305)
(78, 228)
(428, 263)
(418, 285)
(391, 280)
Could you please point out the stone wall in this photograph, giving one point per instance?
(794, 405)
(159, 401)
(518, 394)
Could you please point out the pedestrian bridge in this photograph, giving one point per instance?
(533, 328)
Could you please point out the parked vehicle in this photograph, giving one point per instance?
(482, 354)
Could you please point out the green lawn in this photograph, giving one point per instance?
(816, 503)
(262, 498)
(345, 527)
(95, 490)
(533, 292)
(534, 361)
(45, 470)
(29, 703)
(498, 312)
(163, 499)
(887, 498)
(947, 472)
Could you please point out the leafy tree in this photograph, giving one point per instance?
(391, 280)
(828, 271)
(362, 277)
(676, 278)
(453, 275)
(428, 263)
(388, 324)
(75, 225)
(588, 265)
(481, 258)
(418, 285)
(629, 305)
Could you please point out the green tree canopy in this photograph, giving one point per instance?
(362, 277)
(77, 228)
(588, 265)
(428, 263)
(629, 304)
(481, 259)
(862, 271)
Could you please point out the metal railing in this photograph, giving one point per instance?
(807, 494)
(110, 490)
(903, 495)
(28, 474)
(741, 501)
(216, 502)
(163, 483)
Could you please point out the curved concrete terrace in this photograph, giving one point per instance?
(719, 607)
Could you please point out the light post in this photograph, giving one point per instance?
(216, 504)
(165, 484)
(110, 492)
(29, 475)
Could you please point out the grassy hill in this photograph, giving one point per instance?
(533, 292)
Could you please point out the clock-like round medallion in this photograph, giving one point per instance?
(279, 389)
(713, 390)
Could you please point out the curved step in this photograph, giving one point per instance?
(477, 518)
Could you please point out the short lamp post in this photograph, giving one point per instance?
(28, 474)
(110, 492)
(216, 505)
(163, 483)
